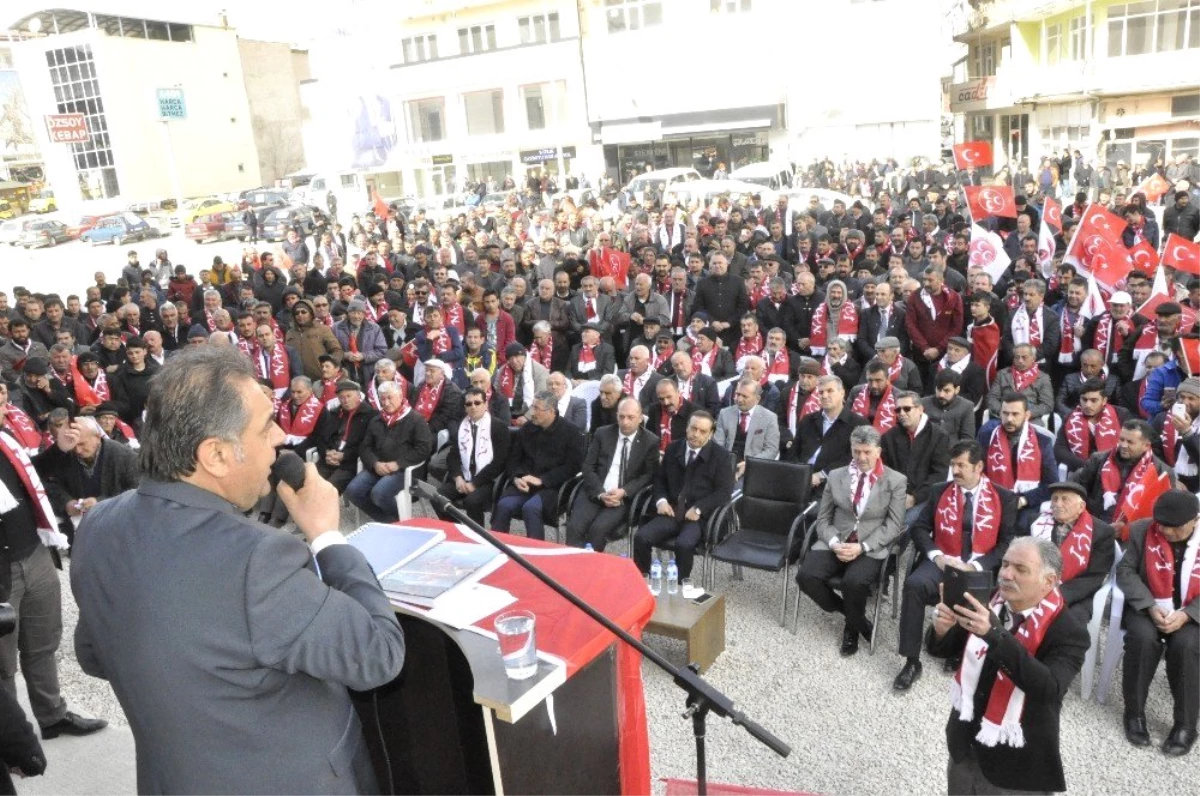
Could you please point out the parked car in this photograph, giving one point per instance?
(277, 224)
(235, 227)
(800, 199)
(263, 197)
(11, 231)
(43, 203)
(706, 192)
(776, 176)
(7, 210)
(119, 229)
(206, 228)
(85, 223)
(44, 233)
(201, 207)
(659, 179)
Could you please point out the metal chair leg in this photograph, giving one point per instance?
(796, 611)
(875, 621)
(783, 599)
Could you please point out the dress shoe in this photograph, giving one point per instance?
(868, 628)
(950, 665)
(908, 675)
(849, 641)
(1136, 731)
(73, 724)
(1179, 742)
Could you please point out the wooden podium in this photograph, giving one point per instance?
(453, 723)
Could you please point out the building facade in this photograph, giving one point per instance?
(1118, 81)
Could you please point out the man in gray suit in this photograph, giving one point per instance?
(572, 409)
(860, 515)
(231, 657)
(747, 429)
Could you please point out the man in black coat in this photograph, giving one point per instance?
(882, 319)
(82, 468)
(621, 460)
(340, 435)
(958, 534)
(478, 455)
(973, 381)
(1105, 473)
(990, 750)
(639, 380)
(591, 358)
(824, 436)
(723, 296)
(131, 382)
(694, 479)
(397, 438)
(917, 447)
(697, 388)
(545, 454)
(1087, 559)
(669, 415)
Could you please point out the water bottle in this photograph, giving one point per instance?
(672, 577)
(656, 577)
(587, 548)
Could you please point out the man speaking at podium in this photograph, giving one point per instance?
(231, 658)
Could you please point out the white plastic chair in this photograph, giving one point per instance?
(1114, 645)
(1099, 603)
(404, 499)
(588, 391)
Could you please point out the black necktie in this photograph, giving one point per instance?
(691, 455)
(474, 437)
(968, 524)
(624, 459)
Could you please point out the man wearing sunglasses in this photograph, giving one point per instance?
(478, 455)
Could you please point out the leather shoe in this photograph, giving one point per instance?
(1179, 742)
(849, 641)
(908, 675)
(950, 665)
(73, 724)
(1136, 731)
(867, 630)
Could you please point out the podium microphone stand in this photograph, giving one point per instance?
(701, 697)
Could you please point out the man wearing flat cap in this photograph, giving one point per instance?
(902, 372)
(973, 379)
(1085, 542)
(591, 358)
(518, 380)
(1153, 335)
(1160, 577)
(709, 358)
(798, 399)
(1177, 434)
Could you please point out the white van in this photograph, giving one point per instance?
(776, 176)
(660, 179)
(348, 187)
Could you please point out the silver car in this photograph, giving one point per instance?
(44, 233)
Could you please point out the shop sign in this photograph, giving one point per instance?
(67, 128)
(442, 160)
(749, 139)
(171, 104)
(973, 95)
(531, 157)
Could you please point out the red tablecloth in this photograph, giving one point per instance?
(614, 587)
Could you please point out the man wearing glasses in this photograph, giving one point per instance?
(478, 455)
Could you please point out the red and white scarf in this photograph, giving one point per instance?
(273, 365)
(1069, 345)
(752, 347)
(329, 393)
(1174, 453)
(985, 347)
(210, 321)
(1159, 559)
(664, 428)
(847, 325)
(1146, 342)
(1076, 548)
(629, 383)
(779, 366)
(1027, 328)
(1027, 473)
(47, 526)
(798, 411)
(657, 360)
(587, 359)
(985, 520)
(1001, 723)
(453, 315)
(543, 352)
(1116, 489)
(428, 398)
(440, 344)
(249, 348)
(21, 426)
(298, 424)
(1079, 431)
(1109, 338)
(89, 394)
(885, 411)
(703, 363)
(1024, 379)
(895, 369)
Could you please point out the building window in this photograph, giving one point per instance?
(419, 48)
(76, 90)
(485, 112)
(427, 119)
(539, 29)
(1076, 39)
(729, 6)
(1053, 43)
(626, 15)
(476, 39)
(983, 60)
(1153, 26)
(1185, 105)
(545, 104)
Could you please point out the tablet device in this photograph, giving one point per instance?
(959, 583)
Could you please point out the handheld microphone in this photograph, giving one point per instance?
(289, 468)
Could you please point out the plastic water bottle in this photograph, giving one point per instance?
(587, 548)
(656, 577)
(672, 577)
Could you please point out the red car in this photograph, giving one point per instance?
(205, 228)
(85, 223)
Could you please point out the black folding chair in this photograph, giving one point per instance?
(642, 510)
(566, 494)
(763, 525)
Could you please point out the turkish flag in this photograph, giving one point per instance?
(381, 208)
(1154, 187)
(1096, 224)
(1140, 497)
(973, 154)
(1052, 213)
(1189, 347)
(610, 262)
(1181, 254)
(991, 200)
(986, 250)
(1109, 262)
(1144, 257)
(1158, 294)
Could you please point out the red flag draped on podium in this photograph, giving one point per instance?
(973, 154)
(1181, 254)
(991, 200)
(1052, 214)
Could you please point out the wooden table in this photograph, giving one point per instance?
(701, 626)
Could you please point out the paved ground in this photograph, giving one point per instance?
(848, 731)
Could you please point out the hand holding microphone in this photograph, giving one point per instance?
(311, 501)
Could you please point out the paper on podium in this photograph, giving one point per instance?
(467, 603)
